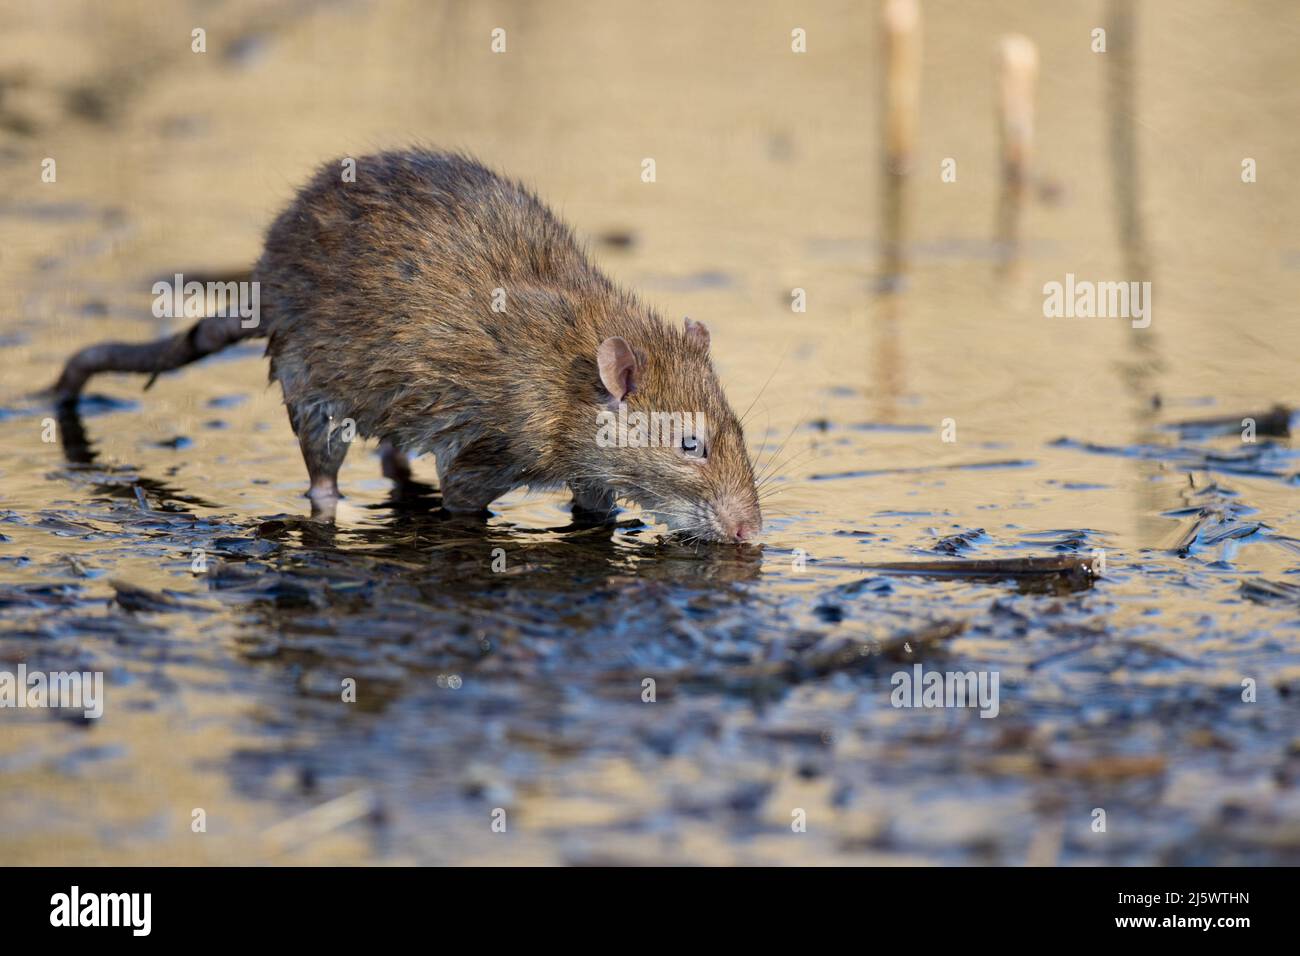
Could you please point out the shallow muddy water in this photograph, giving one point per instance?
(934, 415)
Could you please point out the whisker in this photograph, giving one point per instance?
(779, 363)
(780, 448)
(775, 471)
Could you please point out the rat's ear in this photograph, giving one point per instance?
(697, 332)
(618, 368)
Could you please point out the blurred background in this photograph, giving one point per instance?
(924, 303)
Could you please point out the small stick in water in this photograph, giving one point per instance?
(1065, 572)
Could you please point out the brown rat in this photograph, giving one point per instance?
(444, 309)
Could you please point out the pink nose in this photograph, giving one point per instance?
(743, 531)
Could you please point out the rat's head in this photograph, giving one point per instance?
(667, 438)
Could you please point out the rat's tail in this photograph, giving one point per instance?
(202, 338)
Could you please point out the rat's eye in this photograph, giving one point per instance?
(693, 447)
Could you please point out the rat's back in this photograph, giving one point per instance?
(437, 227)
(420, 272)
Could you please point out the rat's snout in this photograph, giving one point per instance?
(739, 524)
(742, 530)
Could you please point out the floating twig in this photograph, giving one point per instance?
(1067, 572)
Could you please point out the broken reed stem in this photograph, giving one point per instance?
(901, 32)
(1017, 59)
(1018, 75)
(901, 27)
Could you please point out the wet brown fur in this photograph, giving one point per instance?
(377, 298)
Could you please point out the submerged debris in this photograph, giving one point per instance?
(957, 543)
(1066, 572)
(1271, 591)
(140, 599)
(1276, 423)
